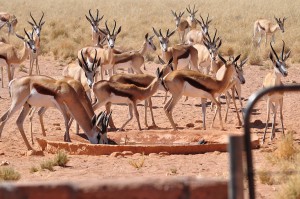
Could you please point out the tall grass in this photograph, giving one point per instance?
(66, 30)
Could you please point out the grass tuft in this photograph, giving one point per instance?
(139, 163)
(61, 159)
(8, 173)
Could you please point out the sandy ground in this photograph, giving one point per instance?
(188, 116)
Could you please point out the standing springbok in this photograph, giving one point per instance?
(195, 84)
(268, 28)
(10, 21)
(97, 35)
(196, 36)
(275, 99)
(37, 27)
(182, 25)
(113, 92)
(11, 56)
(191, 18)
(43, 91)
(183, 55)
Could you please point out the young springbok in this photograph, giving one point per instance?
(275, 99)
(114, 92)
(37, 27)
(11, 56)
(268, 28)
(182, 25)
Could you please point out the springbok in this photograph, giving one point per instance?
(83, 98)
(183, 55)
(10, 21)
(195, 84)
(11, 56)
(143, 80)
(85, 72)
(37, 27)
(268, 28)
(43, 91)
(191, 18)
(182, 25)
(113, 92)
(275, 99)
(196, 36)
(97, 35)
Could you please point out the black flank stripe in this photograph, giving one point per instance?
(124, 60)
(122, 94)
(196, 84)
(184, 55)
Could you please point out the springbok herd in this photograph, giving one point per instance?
(193, 68)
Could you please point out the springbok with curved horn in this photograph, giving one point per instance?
(182, 25)
(195, 84)
(37, 27)
(183, 55)
(43, 91)
(191, 18)
(97, 35)
(268, 28)
(10, 21)
(196, 36)
(275, 99)
(11, 56)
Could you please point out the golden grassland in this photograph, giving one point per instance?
(66, 29)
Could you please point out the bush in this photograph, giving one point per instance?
(9, 174)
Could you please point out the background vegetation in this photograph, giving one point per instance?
(66, 30)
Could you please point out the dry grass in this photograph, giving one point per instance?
(8, 173)
(284, 169)
(66, 30)
(137, 163)
(61, 159)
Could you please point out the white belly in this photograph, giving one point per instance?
(40, 100)
(116, 99)
(191, 91)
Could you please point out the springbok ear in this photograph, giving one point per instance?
(19, 36)
(244, 61)
(287, 55)
(182, 13)
(161, 60)
(119, 30)
(169, 35)
(146, 36)
(220, 43)
(157, 72)
(30, 23)
(88, 19)
(199, 22)
(42, 24)
(237, 58)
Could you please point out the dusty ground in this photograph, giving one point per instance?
(212, 165)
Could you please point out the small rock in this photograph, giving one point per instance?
(127, 153)
(137, 155)
(56, 124)
(115, 154)
(190, 125)
(4, 163)
(161, 154)
(216, 152)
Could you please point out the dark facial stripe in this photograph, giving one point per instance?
(196, 84)
(184, 55)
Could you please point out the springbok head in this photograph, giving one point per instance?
(177, 17)
(30, 44)
(37, 27)
(280, 65)
(149, 42)
(212, 45)
(192, 13)
(90, 70)
(239, 69)
(111, 36)
(204, 24)
(94, 21)
(280, 23)
(164, 41)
